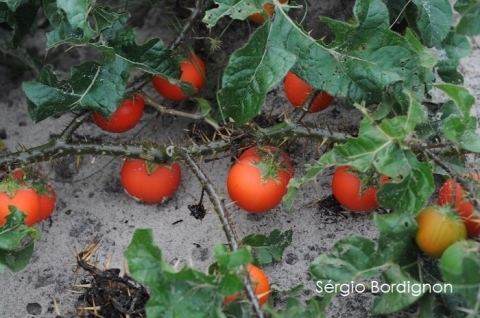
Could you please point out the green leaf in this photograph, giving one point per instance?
(92, 86)
(12, 4)
(68, 27)
(460, 95)
(227, 260)
(231, 284)
(350, 259)
(15, 232)
(153, 57)
(452, 49)
(359, 68)
(268, 249)
(20, 19)
(314, 308)
(77, 12)
(457, 123)
(396, 240)
(355, 259)
(16, 242)
(105, 17)
(460, 266)
(186, 293)
(427, 56)
(380, 145)
(434, 18)
(469, 23)
(412, 192)
(144, 258)
(470, 141)
(16, 260)
(251, 72)
(235, 9)
(395, 301)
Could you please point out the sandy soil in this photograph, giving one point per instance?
(92, 205)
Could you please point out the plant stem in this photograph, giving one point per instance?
(165, 110)
(58, 147)
(76, 122)
(222, 213)
(188, 25)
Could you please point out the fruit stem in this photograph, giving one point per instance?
(227, 226)
(165, 110)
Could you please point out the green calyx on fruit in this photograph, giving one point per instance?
(10, 186)
(269, 169)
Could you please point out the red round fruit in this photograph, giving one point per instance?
(193, 71)
(127, 116)
(25, 200)
(297, 92)
(48, 200)
(347, 189)
(148, 182)
(260, 284)
(452, 193)
(269, 8)
(257, 185)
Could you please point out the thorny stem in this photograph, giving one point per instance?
(76, 122)
(57, 147)
(222, 213)
(308, 103)
(197, 11)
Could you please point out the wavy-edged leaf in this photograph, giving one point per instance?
(235, 9)
(360, 71)
(457, 123)
(70, 20)
(16, 242)
(469, 23)
(452, 49)
(251, 72)
(153, 57)
(412, 192)
(268, 249)
(186, 293)
(77, 12)
(12, 4)
(394, 301)
(356, 259)
(434, 18)
(460, 266)
(92, 86)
